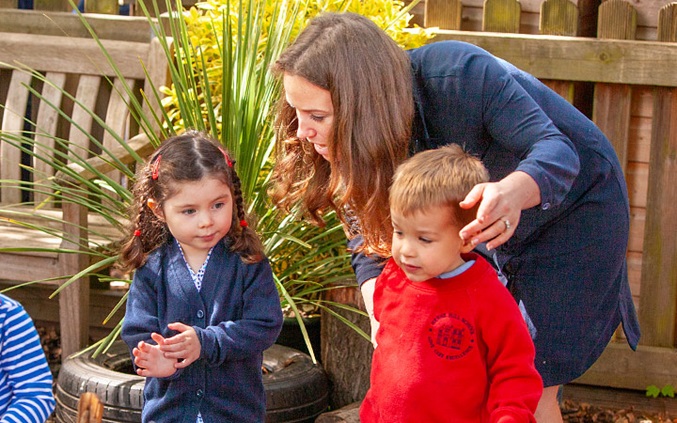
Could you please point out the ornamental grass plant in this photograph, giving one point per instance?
(220, 52)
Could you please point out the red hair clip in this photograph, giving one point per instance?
(243, 223)
(229, 162)
(137, 232)
(155, 173)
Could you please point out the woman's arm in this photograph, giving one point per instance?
(500, 115)
(367, 288)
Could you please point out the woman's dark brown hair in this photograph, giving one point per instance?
(183, 158)
(369, 78)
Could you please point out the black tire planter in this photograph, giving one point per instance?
(292, 337)
(296, 389)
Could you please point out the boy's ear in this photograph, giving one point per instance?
(466, 247)
(154, 206)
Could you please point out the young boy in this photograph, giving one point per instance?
(452, 344)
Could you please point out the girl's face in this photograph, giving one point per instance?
(427, 243)
(198, 215)
(314, 112)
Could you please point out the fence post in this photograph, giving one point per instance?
(501, 16)
(559, 17)
(444, 14)
(611, 102)
(658, 302)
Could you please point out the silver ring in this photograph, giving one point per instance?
(507, 224)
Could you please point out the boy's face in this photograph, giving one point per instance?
(426, 243)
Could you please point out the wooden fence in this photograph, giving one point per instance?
(631, 88)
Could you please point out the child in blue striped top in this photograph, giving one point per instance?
(25, 379)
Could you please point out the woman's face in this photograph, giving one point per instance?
(314, 112)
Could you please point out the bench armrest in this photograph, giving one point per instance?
(137, 146)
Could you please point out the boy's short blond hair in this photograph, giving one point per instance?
(433, 178)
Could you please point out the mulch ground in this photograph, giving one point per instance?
(51, 345)
(581, 412)
(572, 411)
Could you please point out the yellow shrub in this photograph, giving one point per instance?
(204, 25)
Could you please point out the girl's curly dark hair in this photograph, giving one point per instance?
(190, 156)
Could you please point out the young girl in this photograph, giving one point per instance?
(203, 305)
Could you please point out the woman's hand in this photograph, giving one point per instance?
(500, 207)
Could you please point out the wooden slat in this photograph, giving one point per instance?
(117, 114)
(620, 367)
(115, 27)
(640, 137)
(73, 55)
(46, 126)
(564, 88)
(117, 118)
(647, 16)
(637, 222)
(635, 275)
(617, 19)
(74, 299)
(158, 76)
(347, 362)
(658, 303)
(667, 23)
(636, 176)
(45, 311)
(559, 17)
(86, 97)
(12, 123)
(14, 236)
(580, 59)
(501, 16)
(33, 268)
(611, 113)
(444, 14)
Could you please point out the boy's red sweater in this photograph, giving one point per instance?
(450, 350)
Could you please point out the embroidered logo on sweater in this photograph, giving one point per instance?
(451, 336)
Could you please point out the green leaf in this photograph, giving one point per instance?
(653, 391)
(668, 391)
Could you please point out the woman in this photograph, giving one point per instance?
(555, 212)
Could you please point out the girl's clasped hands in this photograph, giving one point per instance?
(169, 354)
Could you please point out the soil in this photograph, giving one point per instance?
(572, 411)
(51, 345)
(581, 412)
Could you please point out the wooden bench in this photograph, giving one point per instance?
(78, 67)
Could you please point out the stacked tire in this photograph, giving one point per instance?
(296, 389)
